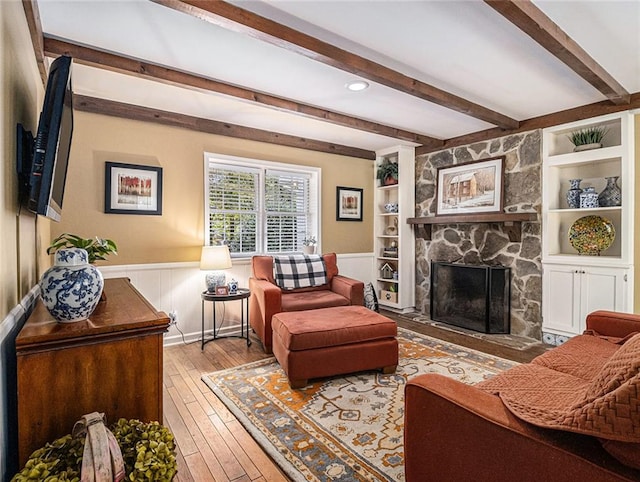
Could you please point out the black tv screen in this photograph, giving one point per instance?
(52, 143)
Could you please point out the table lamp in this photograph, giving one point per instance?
(215, 259)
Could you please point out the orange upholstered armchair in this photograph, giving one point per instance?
(268, 299)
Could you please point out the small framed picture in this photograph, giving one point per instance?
(132, 189)
(348, 204)
(222, 290)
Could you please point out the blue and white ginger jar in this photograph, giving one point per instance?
(71, 289)
(589, 198)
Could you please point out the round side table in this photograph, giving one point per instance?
(242, 295)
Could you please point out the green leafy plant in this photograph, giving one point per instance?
(591, 135)
(97, 248)
(60, 459)
(387, 169)
(309, 241)
(148, 451)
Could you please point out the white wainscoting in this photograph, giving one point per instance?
(9, 329)
(176, 287)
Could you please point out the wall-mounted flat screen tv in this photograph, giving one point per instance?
(52, 143)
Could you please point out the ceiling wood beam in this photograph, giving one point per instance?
(541, 122)
(145, 114)
(242, 21)
(531, 20)
(32, 13)
(128, 65)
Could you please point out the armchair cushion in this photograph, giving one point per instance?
(299, 271)
(262, 267)
(312, 300)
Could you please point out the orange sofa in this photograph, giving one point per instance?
(571, 414)
(268, 299)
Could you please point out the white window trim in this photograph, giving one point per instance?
(316, 180)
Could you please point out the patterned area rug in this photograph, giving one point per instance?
(347, 428)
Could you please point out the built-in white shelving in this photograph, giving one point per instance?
(575, 284)
(391, 230)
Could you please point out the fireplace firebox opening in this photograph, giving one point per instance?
(473, 297)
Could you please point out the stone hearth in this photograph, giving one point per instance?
(487, 243)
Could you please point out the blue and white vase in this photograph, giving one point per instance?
(611, 194)
(573, 194)
(71, 289)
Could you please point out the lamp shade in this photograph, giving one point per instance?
(215, 258)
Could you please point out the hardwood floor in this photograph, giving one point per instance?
(212, 445)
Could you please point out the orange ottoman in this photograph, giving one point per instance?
(333, 341)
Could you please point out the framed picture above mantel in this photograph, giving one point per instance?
(132, 189)
(472, 187)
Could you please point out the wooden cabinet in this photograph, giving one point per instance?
(110, 363)
(394, 242)
(575, 284)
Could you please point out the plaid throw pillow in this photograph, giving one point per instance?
(299, 271)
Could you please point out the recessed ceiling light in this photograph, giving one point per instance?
(357, 85)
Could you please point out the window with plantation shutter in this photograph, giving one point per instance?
(286, 210)
(259, 206)
(233, 207)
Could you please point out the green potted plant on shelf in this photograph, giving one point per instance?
(589, 138)
(97, 248)
(387, 173)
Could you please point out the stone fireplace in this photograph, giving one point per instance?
(488, 243)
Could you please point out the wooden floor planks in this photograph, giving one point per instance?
(212, 444)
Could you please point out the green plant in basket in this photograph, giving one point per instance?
(97, 248)
(58, 460)
(148, 451)
(591, 135)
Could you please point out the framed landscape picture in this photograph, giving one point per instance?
(348, 204)
(132, 189)
(473, 187)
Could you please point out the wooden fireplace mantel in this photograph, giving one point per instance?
(512, 222)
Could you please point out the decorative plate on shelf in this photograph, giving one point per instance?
(591, 235)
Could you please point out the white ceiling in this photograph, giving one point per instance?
(463, 47)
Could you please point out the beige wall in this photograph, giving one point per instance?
(21, 94)
(177, 235)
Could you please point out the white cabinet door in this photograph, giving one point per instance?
(561, 299)
(602, 289)
(571, 292)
